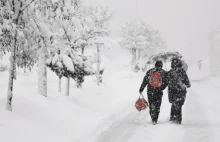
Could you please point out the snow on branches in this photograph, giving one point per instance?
(70, 64)
(74, 26)
(28, 27)
(138, 35)
(140, 39)
(13, 20)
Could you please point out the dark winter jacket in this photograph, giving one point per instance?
(177, 83)
(146, 81)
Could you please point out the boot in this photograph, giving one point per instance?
(154, 122)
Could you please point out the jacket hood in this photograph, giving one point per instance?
(176, 62)
(159, 64)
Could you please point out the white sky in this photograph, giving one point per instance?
(184, 24)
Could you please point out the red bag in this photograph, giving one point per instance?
(156, 80)
(141, 104)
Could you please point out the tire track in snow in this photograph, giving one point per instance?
(118, 132)
(123, 128)
(135, 125)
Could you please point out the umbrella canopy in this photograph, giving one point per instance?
(184, 65)
(166, 56)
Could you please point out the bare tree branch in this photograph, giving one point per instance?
(66, 34)
(25, 6)
(38, 27)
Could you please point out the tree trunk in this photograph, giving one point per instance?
(136, 55)
(11, 74)
(15, 72)
(25, 66)
(166, 65)
(98, 65)
(83, 49)
(59, 87)
(133, 57)
(68, 86)
(42, 71)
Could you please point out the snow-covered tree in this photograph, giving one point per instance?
(94, 23)
(55, 64)
(12, 13)
(26, 25)
(139, 38)
(70, 65)
(101, 17)
(26, 55)
(67, 28)
(5, 40)
(41, 19)
(5, 28)
(76, 25)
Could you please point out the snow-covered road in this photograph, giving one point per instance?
(200, 121)
(105, 114)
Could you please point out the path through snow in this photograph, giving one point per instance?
(199, 125)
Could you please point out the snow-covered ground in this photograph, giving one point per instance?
(58, 117)
(200, 120)
(105, 113)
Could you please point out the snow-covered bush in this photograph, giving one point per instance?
(70, 64)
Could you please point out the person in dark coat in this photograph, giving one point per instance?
(178, 81)
(154, 93)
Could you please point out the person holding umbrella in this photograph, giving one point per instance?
(155, 82)
(178, 81)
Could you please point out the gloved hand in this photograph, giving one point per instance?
(188, 86)
(140, 91)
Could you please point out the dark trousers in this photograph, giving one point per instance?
(154, 99)
(176, 112)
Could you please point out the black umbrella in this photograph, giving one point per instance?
(165, 56)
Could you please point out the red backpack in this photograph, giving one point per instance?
(156, 80)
